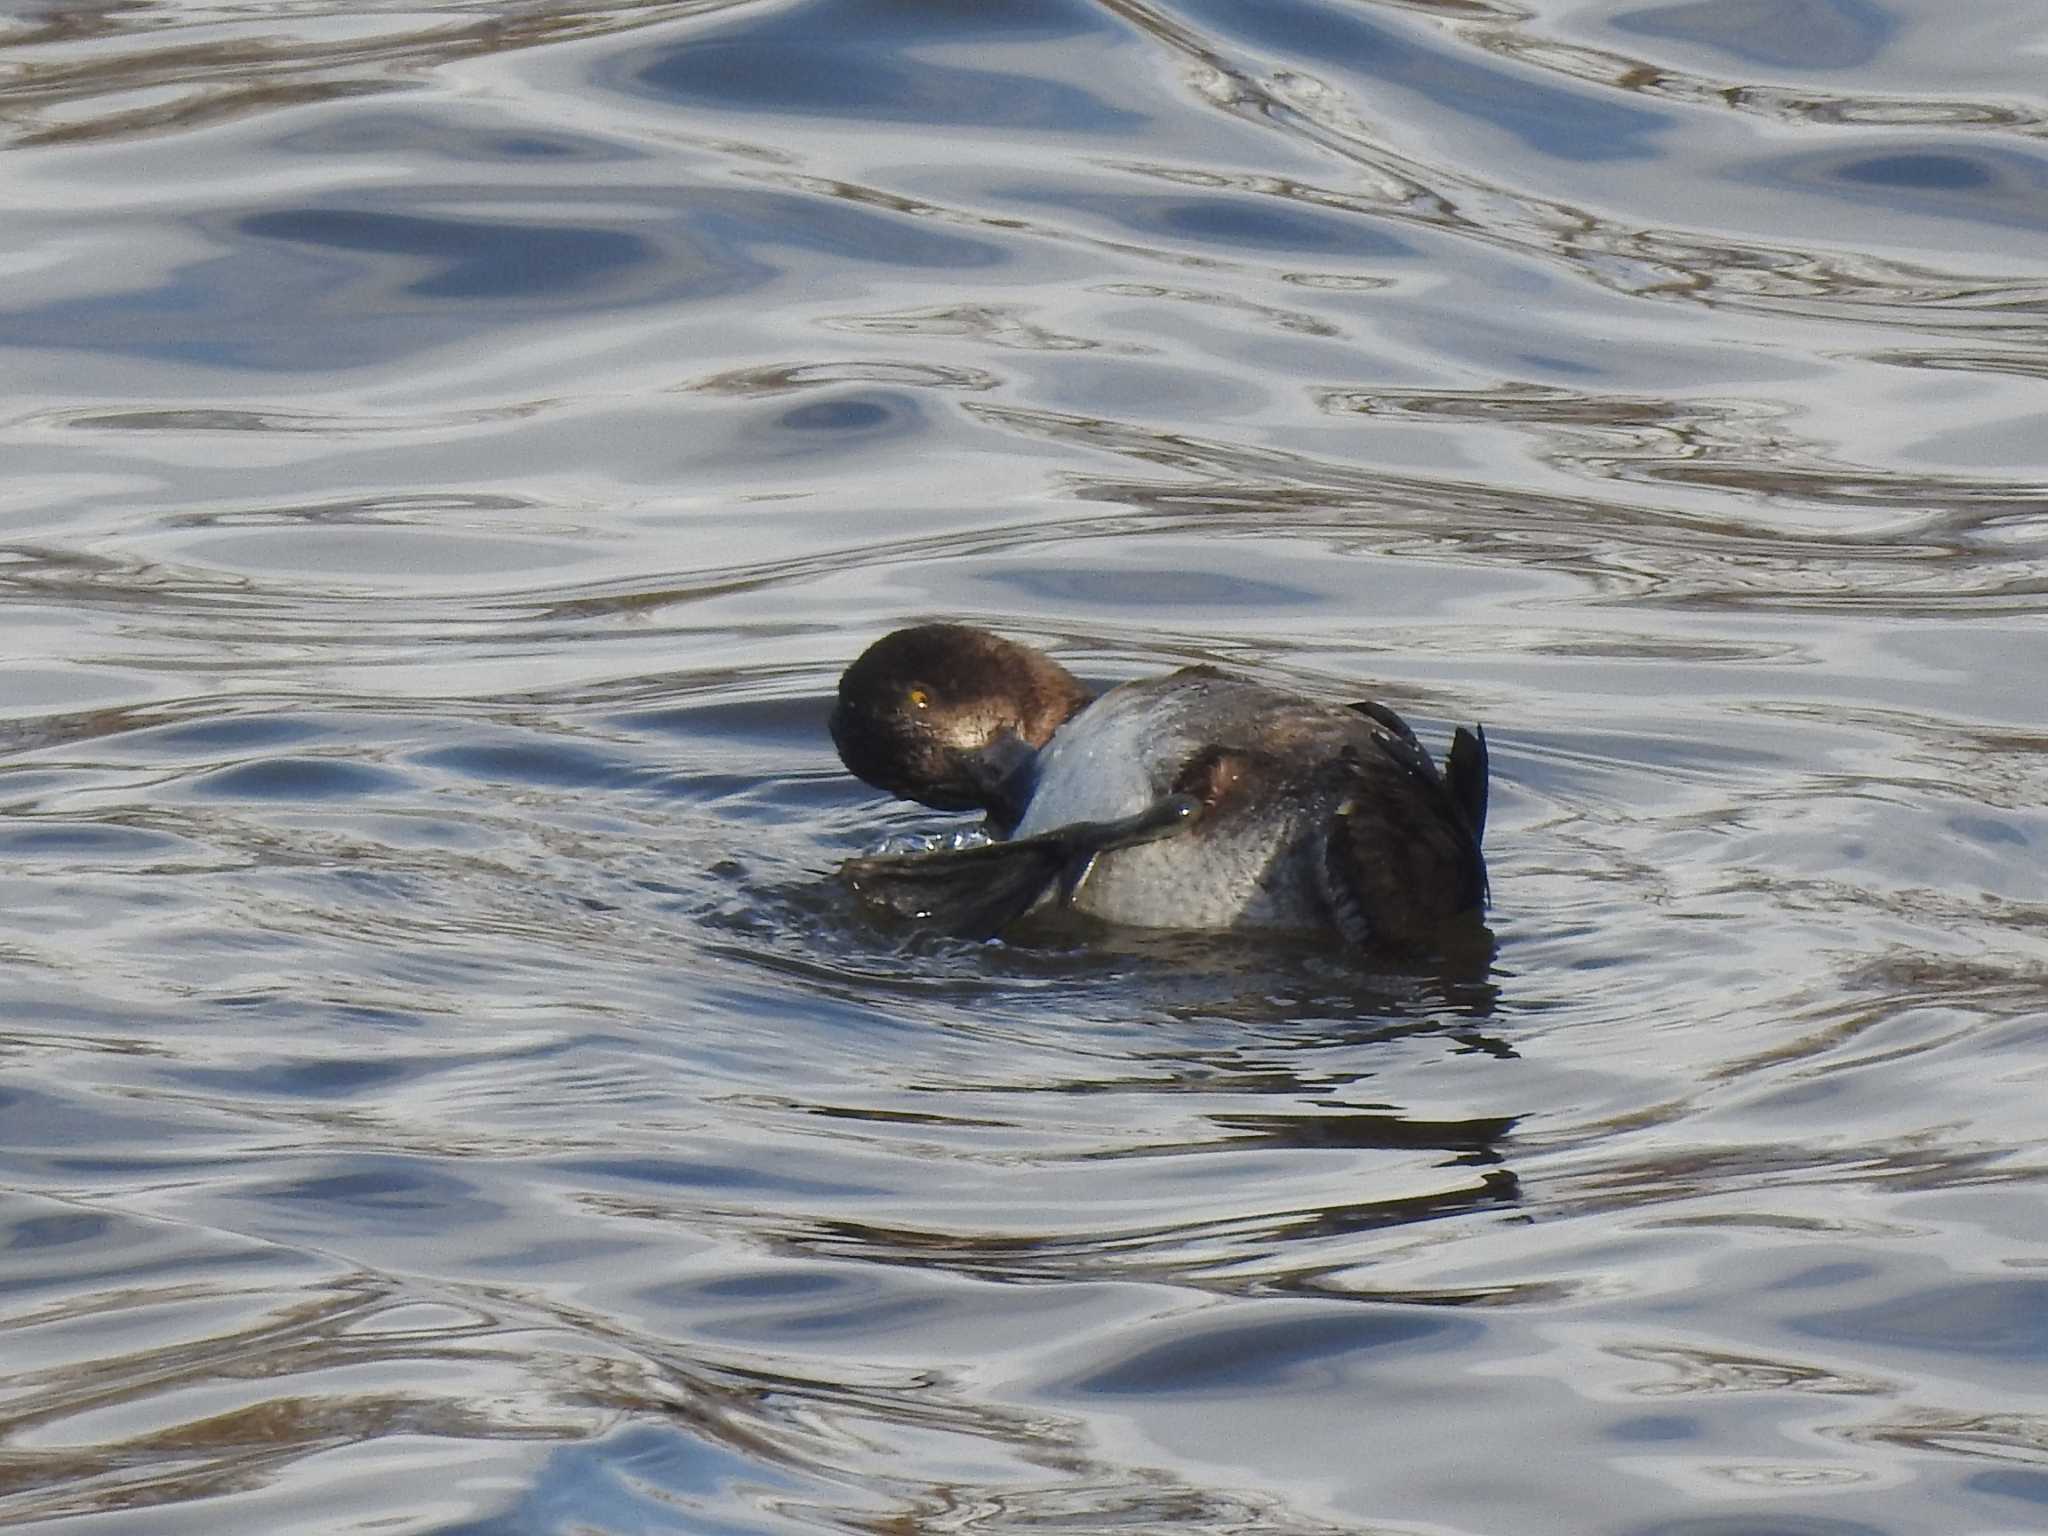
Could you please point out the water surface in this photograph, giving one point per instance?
(451, 452)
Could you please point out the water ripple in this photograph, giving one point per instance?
(452, 452)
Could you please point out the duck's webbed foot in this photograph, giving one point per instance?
(975, 893)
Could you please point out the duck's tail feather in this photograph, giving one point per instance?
(1466, 770)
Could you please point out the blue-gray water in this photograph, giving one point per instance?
(448, 451)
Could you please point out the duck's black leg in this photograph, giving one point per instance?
(977, 892)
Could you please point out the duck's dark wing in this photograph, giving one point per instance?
(1403, 851)
(1464, 765)
(977, 892)
(1379, 714)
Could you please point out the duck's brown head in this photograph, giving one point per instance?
(952, 717)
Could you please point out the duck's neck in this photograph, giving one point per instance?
(1049, 698)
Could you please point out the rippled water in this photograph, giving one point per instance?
(450, 451)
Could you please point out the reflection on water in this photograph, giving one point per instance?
(451, 452)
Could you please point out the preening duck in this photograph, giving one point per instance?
(1201, 799)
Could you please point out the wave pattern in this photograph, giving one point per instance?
(451, 450)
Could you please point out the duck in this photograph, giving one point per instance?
(1203, 799)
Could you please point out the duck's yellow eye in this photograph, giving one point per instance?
(919, 699)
